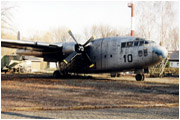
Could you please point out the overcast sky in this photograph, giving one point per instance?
(44, 15)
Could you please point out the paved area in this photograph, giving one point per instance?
(39, 96)
(116, 113)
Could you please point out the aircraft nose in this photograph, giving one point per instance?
(160, 51)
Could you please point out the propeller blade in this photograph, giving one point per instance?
(70, 33)
(91, 65)
(91, 39)
(70, 57)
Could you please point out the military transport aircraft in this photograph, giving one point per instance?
(104, 55)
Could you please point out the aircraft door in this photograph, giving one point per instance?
(104, 54)
(95, 54)
(109, 54)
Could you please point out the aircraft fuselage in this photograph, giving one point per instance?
(115, 54)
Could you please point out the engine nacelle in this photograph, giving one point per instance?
(68, 48)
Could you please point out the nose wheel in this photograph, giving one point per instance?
(140, 77)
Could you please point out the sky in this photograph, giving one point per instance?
(32, 16)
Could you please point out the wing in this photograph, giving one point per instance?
(50, 52)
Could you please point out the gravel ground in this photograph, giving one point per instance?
(123, 113)
(32, 92)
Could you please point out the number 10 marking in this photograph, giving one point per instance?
(129, 58)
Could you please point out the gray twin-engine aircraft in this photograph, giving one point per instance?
(104, 55)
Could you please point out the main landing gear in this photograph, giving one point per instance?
(56, 74)
(60, 74)
(140, 77)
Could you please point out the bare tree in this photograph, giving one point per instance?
(7, 27)
(60, 34)
(102, 31)
(36, 36)
(146, 19)
(167, 16)
(7, 18)
(174, 36)
(155, 21)
(47, 37)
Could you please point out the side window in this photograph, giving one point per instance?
(140, 53)
(123, 45)
(141, 43)
(129, 44)
(145, 52)
(136, 43)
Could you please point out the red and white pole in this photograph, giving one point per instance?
(131, 5)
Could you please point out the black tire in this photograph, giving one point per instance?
(140, 77)
(118, 74)
(113, 74)
(143, 77)
(56, 74)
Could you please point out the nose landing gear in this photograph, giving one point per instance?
(140, 77)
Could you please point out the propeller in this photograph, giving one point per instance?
(91, 39)
(70, 33)
(79, 51)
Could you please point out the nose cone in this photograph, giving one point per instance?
(160, 51)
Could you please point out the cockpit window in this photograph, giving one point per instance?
(141, 43)
(123, 45)
(146, 42)
(136, 43)
(137, 38)
(129, 44)
(142, 39)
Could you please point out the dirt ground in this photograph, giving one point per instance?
(43, 91)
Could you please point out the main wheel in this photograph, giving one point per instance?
(118, 75)
(140, 77)
(113, 74)
(56, 74)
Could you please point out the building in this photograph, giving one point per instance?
(32, 64)
(174, 59)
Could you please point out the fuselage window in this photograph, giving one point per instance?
(141, 43)
(140, 53)
(104, 56)
(136, 43)
(110, 55)
(123, 45)
(145, 52)
(129, 44)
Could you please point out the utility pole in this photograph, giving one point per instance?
(18, 36)
(131, 5)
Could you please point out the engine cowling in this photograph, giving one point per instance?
(68, 48)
